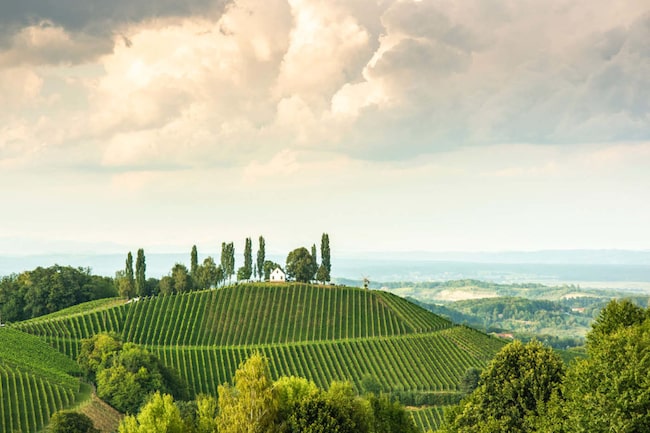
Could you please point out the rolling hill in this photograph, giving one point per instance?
(35, 381)
(323, 333)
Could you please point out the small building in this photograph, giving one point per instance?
(278, 276)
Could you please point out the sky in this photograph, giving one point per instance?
(392, 125)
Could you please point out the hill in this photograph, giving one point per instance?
(323, 333)
(35, 381)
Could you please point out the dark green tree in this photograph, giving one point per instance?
(300, 265)
(610, 390)
(514, 387)
(181, 278)
(390, 416)
(133, 375)
(207, 274)
(194, 263)
(269, 266)
(245, 272)
(228, 259)
(140, 274)
(470, 380)
(261, 256)
(127, 280)
(325, 268)
(166, 285)
(314, 257)
(67, 421)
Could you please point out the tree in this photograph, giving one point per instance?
(159, 414)
(127, 284)
(194, 263)
(515, 386)
(134, 374)
(140, 274)
(314, 257)
(66, 421)
(609, 391)
(261, 256)
(249, 405)
(228, 259)
(181, 278)
(389, 416)
(166, 285)
(470, 380)
(269, 267)
(300, 265)
(248, 259)
(325, 268)
(207, 274)
(97, 352)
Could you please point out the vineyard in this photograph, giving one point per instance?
(35, 381)
(319, 332)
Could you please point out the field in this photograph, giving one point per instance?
(323, 333)
(35, 381)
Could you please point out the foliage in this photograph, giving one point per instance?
(71, 422)
(325, 269)
(140, 274)
(470, 380)
(261, 257)
(300, 265)
(126, 281)
(46, 290)
(610, 390)
(390, 416)
(245, 272)
(208, 274)
(126, 374)
(248, 260)
(249, 405)
(525, 318)
(181, 278)
(518, 382)
(97, 352)
(194, 262)
(228, 259)
(159, 414)
(269, 267)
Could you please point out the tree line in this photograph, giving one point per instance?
(301, 265)
(46, 290)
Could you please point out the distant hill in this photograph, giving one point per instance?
(323, 333)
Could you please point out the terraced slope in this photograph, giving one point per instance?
(35, 381)
(319, 332)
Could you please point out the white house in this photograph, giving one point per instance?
(278, 276)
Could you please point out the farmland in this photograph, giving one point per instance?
(35, 381)
(323, 333)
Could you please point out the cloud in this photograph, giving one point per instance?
(202, 83)
(70, 31)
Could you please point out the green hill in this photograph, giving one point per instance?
(322, 333)
(35, 381)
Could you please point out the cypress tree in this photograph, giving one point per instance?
(261, 253)
(326, 266)
(194, 262)
(248, 259)
(129, 280)
(140, 274)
